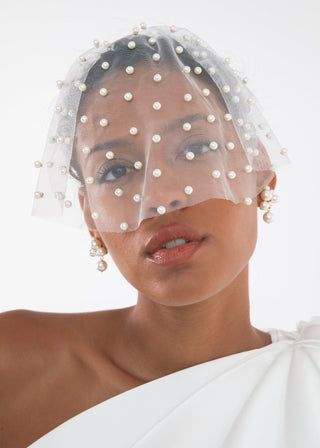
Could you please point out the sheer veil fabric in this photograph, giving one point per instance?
(153, 111)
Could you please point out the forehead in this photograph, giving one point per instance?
(140, 99)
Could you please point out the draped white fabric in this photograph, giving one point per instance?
(267, 397)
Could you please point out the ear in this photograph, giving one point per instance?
(84, 204)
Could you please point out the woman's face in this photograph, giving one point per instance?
(230, 230)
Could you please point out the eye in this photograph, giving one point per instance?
(113, 173)
(197, 148)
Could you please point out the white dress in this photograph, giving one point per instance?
(267, 398)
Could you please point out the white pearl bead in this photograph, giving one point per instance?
(231, 174)
(101, 265)
(86, 150)
(143, 25)
(216, 174)
(103, 122)
(37, 164)
(250, 100)
(284, 151)
(245, 80)
(186, 69)
(157, 77)
(118, 192)
(268, 217)
(63, 170)
(82, 58)
(96, 43)
(105, 65)
(92, 252)
(239, 121)
(89, 180)
(95, 244)
(95, 215)
(275, 199)
(186, 126)
(131, 44)
(109, 155)
(38, 194)
(235, 99)
(60, 140)
(138, 165)
(188, 189)
(197, 70)
(205, 92)
(49, 164)
(161, 209)
(84, 119)
(195, 54)
(156, 57)
(227, 60)
(59, 84)
(248, 201)
(230, 146)
(248, 168)
(128, 96)
(246, 126)
(152, 41)
(189, 155)
(133, 131)
(123, 226)
(198, 41)
(213, 146)
(227, 117)
(129, 70)
(156, 105)
(76, 83)
(187, 97)
(173, 28)
(255, 152)
(179, 49)
(211, 118)
(157, 172)
(211, 71)
(103, 91)
(266, 195)
(137, 197)
(264, 205)
(59, 195)
(71, 113)
(105, 43)
(246, 136)
(226, 89)
(82, 87)
(156, 138)
(101, 252)
(67, 203)
(203, 54)
(135, 30)
(58, 109)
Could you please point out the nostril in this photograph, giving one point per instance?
(174, 203)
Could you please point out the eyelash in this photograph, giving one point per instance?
(105, 171)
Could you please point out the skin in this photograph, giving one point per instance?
(189, 313)
(185, 315)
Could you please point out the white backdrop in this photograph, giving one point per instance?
(46, 266)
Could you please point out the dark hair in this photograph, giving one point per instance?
(119, 56)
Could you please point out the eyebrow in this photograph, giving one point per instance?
(116, 143)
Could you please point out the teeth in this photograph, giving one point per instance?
(174, 243)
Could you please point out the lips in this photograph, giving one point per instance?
(169, 233)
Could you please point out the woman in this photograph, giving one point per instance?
(170, 158)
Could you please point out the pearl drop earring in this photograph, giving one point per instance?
(268, 199)
(98, 250)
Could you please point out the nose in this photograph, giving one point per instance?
(164, 196)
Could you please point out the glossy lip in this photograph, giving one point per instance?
(175, 255)
(172, 232)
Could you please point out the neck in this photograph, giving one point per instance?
(162, 339)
